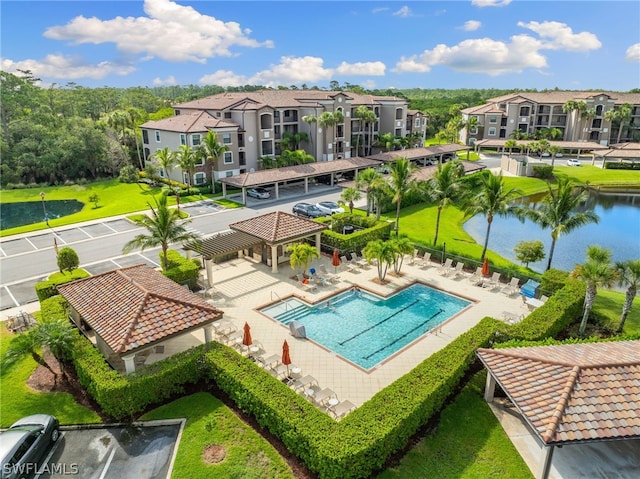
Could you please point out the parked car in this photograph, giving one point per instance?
(307, 210)
(572, 162)
(329, 207)
(559, 155)
(260, 193)
(26, 443)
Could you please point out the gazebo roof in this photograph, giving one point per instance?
(136, 306)
(421, 152)
(575, 392)
(225, 242)
(278, 227)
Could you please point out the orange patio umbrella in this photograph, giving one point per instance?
(485, 267)
(335, 261)
(246, 337)
(286, 358)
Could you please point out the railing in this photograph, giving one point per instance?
(286, 305)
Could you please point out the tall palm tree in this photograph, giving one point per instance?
(134, 116)
(401, 184)
(361, 113)
(370, 119)
(348, 196)
(571, 106)
(166, 159)
(187, 158)
(494, 198)
(386, 141)
(510, 144)
(164, 227)
(587, 115)
(557, 211)
(401, 247)
(628, 275)
(443, 188)
(211, 149)
(595, 271)
(470, 124)
(621, 116)
(309, 120)
(366, 180)
(383, 254)
(326, 120)
(553, 151)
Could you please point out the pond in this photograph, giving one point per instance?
(13, 215)
(618, 230)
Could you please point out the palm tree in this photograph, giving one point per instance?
(557, 211)
(309, 120)
(187, 159)
(443, 188)
(325, 121)
(573, 105)
(588, 114)
(401, 247)
(510, 144)
(212, 150)
(401, 184)
(628, 275)
(494, 198)
(386, 141)
(620, 115)
(366, 180)
(166, 159)
(349, 195)
(361, 113)
(596, 271)
(383, 254)
(134, 116)
(26, 344)
(369, 118)
(164, 226)
(467, 126)
(553, 151)
(301, 255)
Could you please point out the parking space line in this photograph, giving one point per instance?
(86, 233)
(106, 466)
(2, 251)
(43, 469)
(34, 246)
(107, 225)
(13, 298)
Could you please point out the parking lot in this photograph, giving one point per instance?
(143, 451)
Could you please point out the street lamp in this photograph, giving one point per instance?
(178, 197)
(44, 208)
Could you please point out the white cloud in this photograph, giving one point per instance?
(294, 70)
(471, 25)
(170, 31)
(490, 3)
(482, 55)
(379, 9)
(403, 12)
(66, 67)
(170, 80)
(633, 53)
(559, 36)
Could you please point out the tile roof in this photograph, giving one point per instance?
(574, 392)
(421, 152)
(189, 122)
(572, 145)
(136, 306)
(278, 226)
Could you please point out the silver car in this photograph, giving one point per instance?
(25, 444)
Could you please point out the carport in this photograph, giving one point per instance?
(571, 394)
(304, 172)
(276, 231)
(420, 155)
(618, 155)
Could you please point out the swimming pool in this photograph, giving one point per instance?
(366, 329)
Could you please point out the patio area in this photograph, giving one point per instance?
(242, 286)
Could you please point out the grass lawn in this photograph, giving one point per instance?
(18, 400)
(115, 199)
(608, 305)
(468, 443)
(210, 422)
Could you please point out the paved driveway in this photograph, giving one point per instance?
(138, 452)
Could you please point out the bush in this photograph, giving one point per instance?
(67, 259)
(553, 280)
(128, 174)
(48, 288)
(181, 270)
(543, 171)
(622, 165)
(372, 230)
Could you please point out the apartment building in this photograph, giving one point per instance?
(261, 124)
(573, 115)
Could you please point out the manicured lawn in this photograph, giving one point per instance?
(115, 199)
(210, 422)
(608, 304)
(468, 443)
(18, 400)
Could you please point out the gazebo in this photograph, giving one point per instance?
(570, 394)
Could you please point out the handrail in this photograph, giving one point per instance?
(286, 305)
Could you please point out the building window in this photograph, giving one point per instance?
(599, 110)
(145, 137)
(492, 131)
(199, 159)
(227, 115)
(473, 131)
(417, 123)
(228, 173)
(199, 178)
(157, 136)
(424, 121)
(195, 139)
(493, 120)
(228, 157)
(183, 139)
(524, 111)
(226, 138)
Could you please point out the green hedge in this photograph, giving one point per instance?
(373, 230)
(48, 288)
(181, 270)
(622, 165)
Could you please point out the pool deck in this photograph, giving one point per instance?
(245, 285)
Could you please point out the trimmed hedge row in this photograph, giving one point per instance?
(373, 230)
(48, 288)
(182, 270)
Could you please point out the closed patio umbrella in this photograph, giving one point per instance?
(286, 358)
(335, 261)
(485, 267)
(246, 337)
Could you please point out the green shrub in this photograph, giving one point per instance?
(48, 288)
(622, 165)
(128, 174)
(553, 280)
(181, 270)
(67, 259)
(543, 171)
(373, 230)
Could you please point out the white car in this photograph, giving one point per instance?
(260, 193)
(330, 207)
(573, 162)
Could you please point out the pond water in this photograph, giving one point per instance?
(618, 230)
(13, 215)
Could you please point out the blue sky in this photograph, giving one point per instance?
(428, 44)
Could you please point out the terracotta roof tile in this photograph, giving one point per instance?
(278, 226)
(574, 392)
(135, 306)
(197, 122)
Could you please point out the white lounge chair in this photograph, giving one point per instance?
(332, 278)
(458, 270)
(351, 266)
(424, 261)
(342, 409)
(476, 278)
(445, 269)
(494, 282)
(308, 286)
(361, 262)
(513, 286)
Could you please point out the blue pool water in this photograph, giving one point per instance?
(365, 328)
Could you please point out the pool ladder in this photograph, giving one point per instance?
(286, 304)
